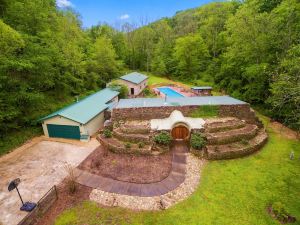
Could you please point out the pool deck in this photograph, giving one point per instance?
(179, 90)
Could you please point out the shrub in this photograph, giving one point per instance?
(71, 178)
(197, 141)
(141, 145)
(163, 138)
(107, 133)
(280, 211)
(148, 93)
(123, 89)
(127, 145)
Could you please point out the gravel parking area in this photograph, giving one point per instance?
(40, 165)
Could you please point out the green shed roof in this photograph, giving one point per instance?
(135, 77)
(86, 109)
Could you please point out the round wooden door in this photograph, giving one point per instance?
(180, 132)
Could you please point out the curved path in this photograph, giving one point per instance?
(174, 179)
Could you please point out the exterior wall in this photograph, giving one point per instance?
(138, 88)
(95, 124)
(147, 113)
(202, 92)
(115, 99)
(58, 120)
(90, 128)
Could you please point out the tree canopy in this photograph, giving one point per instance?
(248, 48)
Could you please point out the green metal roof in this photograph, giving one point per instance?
(178, 101)
(86, 109)
(135, 77)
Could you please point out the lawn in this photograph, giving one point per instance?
(156, 80)
(230, 192)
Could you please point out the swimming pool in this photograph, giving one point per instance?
(169, 92)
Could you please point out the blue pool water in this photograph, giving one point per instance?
(169, 92)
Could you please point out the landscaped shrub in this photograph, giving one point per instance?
(163, 138)
(127, 145)
(107, 133)
(205, 111)
(71, 178)
(123, 89)
(148, 93)
(197, 141)
(281, 213)
(141, 144)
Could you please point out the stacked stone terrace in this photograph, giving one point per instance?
(130, 137)
(229, 138)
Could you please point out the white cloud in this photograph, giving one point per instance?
(64, 3)
(124, 17)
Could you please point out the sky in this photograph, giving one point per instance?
(116, 12)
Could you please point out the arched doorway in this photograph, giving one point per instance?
(180, 132)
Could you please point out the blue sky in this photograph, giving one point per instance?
(117, 12)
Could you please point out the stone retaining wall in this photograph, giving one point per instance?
(242, 111)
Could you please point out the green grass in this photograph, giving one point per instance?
(205, 111)
(17, 138)
(231, 192)
(156, 80)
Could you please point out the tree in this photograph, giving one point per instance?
(191, 55)
(212, 19)
(103, 60)
(246, 64)
(285, 90)
(162, 61)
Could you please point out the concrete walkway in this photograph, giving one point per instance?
(175, 178)
(40, 165)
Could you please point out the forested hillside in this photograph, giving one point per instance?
(46, 59)
(249, 49)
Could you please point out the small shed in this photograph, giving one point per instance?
(202, 91)
(136, 83)
(81, 119)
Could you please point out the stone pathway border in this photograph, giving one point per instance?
(175, 178)
(191, 182)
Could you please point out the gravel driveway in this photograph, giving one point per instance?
(39, 165)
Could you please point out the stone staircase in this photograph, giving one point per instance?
(128, 135)
(229, 138)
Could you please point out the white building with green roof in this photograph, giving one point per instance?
(136, 83)
(82, 119)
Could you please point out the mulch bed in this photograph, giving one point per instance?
(65, 201)
(128, 168)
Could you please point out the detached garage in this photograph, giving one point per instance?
(81, 119)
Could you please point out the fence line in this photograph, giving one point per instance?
(41, 208)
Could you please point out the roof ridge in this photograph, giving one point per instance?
(101, 106)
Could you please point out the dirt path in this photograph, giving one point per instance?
(40, 165)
